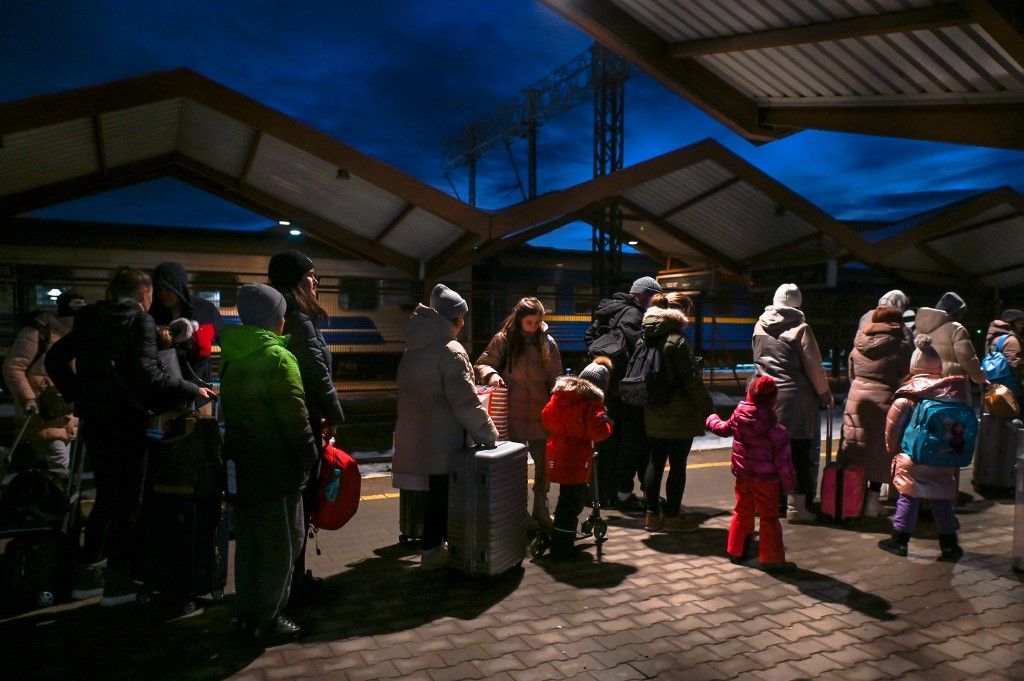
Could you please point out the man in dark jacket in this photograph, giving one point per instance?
(623, 456)
(172, 300)
(115, 383)
(1005, 334)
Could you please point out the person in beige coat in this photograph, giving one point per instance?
(877, 365)
(950, 339)
(1009, 326)
(784, 348)
(25, 374)
(524, 358)
(437, 408)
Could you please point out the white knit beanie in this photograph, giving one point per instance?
(894, 298)
(788, 295)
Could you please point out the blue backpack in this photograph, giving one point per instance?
(998, 370)
(941, 434)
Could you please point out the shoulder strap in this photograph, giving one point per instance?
(1001, 342)
(43, 344)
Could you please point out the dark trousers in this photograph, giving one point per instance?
(623, 456)
(675, 453)
(118, 453)
(309, 502)
(805, 466)
(435, 513)
(571, 500)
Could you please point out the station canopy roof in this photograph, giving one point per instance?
(942, 70)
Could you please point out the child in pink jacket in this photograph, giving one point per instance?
(762, 464)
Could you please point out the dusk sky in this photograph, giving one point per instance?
(395, 78)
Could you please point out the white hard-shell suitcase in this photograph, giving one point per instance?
(487, 509)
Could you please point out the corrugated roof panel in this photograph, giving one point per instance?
(212, 138)
(911, 259)
(662, 240)
(740, 222)
(140, 132)
(978, 48)
(40, 156)
(991, 214)
(670, 191)
(900, 69)
(1005, 279)
(313, 184)
(422, 235)
(974, 252)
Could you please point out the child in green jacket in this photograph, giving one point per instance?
(268, 436)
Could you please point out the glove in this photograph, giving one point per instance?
(31, 407)
(826, 400)
(181, 330)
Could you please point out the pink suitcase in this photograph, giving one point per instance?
(842, 486)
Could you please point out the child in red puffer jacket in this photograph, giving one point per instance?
(762, 464)
(575, 419)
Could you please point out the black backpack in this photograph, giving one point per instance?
(647, 380)
(608, 340)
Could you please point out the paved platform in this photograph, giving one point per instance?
(658, 606)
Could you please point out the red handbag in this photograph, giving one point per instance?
(337, 494)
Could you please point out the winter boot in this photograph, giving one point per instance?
(540, 508)
(562, 541)
(897, 544)
(796, 509)
(872, 505)
(951, 551)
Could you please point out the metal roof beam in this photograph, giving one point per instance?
(250, 156)
(781, 248)
(684, 238)
(101, 153)
(916, 19)
(999, 22)
(947, 220)
(988, 125)
(971, 228)
(402, 215)
(1000, 270)
(950, 266)
(700, 197)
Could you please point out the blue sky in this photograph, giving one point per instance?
(394, 78)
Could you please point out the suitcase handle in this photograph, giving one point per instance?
(828, 436)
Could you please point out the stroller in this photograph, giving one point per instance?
(42, 519)
(594, 526)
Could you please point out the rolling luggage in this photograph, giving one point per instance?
(184, 530)
(411, 503)
(842, 485)
(996, 453)
(487, 509)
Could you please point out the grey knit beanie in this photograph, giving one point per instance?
(894, 298)
(1012, 315)
(598, 373)
(644, 286)
(951, 304)
(260, 305)
(448, 303)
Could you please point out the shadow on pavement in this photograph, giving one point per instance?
(707, 541)
(586, 573)
(389, 593)
(127, 642)
(832, 590)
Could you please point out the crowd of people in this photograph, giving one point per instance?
(280, 407)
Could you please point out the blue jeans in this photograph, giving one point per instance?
(675, 452)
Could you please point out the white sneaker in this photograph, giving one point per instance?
(872, 506)
(796, 509)
(435, 558)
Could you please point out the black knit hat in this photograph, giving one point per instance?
(287, 269)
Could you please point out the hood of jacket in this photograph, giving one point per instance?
(609, 307)
(928, 319)
(109, 316)
(777, 318)
(172, 276)
(929, 387)
(238, 342)
(660, 322)
(996, 329)
(750, 419)
(574, 386)
(877, 340)
(426, 327)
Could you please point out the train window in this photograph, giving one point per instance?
(357, 293)
(546, 294)
(212, 296)
(46, 295)
(582, 302)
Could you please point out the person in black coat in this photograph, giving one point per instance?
(107, 365)
(292, 273)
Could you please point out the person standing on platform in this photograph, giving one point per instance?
(1004, 336)
(292, 273)
(524, 358)
(950, 339)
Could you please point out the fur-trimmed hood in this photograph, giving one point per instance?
(579, 386)
(660, 321)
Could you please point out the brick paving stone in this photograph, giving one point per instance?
(737, 666)
(797, 632)
(494, 665)
(757, 626)
(382, 670)
(463, 670)
(868, 672)
(805, 647)
(374, 655)
(816, 665)
(785, 671)
(290, 671)
(1006, 656)
(580, 647)
(418, 662)
(787, 617)
(578, 665)
(955, 648)
(772, 656)
(692, 639)
(976, 664)
(897, 665)
(618, 673)
(850, 656)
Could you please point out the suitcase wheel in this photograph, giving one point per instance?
(538, 545)
(189, 608)
(587, 528)
(44, 599)
(217, 594)
(600, 528)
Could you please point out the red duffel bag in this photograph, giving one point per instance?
(337, 494)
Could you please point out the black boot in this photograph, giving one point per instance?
(951, 551)
(562, 541)
(897, 544)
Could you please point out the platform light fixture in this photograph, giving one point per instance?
(284, 223)
(54, 292)
(632, 242)
(295, 232)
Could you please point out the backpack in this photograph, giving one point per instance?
(608, 340)
(941, 434)
(998, 370)
(646, 381)
(337, 495)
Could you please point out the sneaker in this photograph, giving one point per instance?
(118, 594)
(435, 558)
(631, 504)
(680, 523)
(653, 522)
(778, 568)
(281, 626)
(88, 582)
(305, 590)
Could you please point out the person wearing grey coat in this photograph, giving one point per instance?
(785, 348)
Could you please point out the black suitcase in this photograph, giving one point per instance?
(410, 514)
(995, 454)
